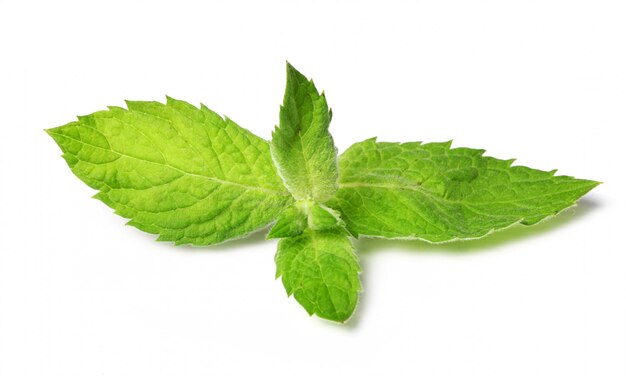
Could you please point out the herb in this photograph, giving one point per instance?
(194, 177)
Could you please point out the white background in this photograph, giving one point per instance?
(543, 81)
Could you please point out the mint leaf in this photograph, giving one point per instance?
(291, 222)
(302, 215)
(193, 177)
(439, 194)
(322, 217)
(175, 170)
(301, 146)
(321, 270)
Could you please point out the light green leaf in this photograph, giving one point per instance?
(302, 146)
(193, 177)
(322, 272)
(175, 170)
(305, 214)
(438, 194)
(322, 217)
(291, 222)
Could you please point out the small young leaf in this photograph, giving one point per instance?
(301, 146)
(305, 214)
(175, 170)
(322, 272)
(323, 218)
(291, 222)
(439, 194)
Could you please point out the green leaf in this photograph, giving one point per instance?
(291, 222)
(305, 214)
(322, 272)
(302, 146)
(322, 217)
(193, 177)
(438, 194)
(175, 170)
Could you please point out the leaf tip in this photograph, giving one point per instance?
(289, 66)
(593, 184)
(295, 75)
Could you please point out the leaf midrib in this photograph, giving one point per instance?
(213, 179)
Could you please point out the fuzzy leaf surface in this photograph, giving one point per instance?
(302, 146)
(321, 270)
(302, 215)
(437, 193)
(291, 222)
(175, 170)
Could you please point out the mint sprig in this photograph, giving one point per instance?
(194, 177)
